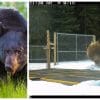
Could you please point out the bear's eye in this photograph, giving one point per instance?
(7, 51)
(17, 51)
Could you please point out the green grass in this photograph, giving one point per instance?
(9, 90)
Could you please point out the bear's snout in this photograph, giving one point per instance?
(11, 63)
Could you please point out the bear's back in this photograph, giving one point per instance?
(12, 20)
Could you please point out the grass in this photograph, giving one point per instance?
(9, 90)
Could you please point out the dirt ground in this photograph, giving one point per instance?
(65, 76)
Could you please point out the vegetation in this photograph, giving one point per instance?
(20, 6)
(9, 90)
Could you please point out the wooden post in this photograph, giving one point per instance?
(94, 38)
(48, 49)
(55, 50)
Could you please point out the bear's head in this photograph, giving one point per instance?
(93, 52)
(14, 50)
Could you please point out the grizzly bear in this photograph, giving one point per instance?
(93, 52)
(13, 44)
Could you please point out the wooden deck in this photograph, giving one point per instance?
(65, 76)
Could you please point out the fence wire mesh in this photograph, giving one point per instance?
(72, 47)
(37, 53)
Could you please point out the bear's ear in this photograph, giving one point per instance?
(2, 29)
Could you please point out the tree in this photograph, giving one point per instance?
(88, 18)
(77, 18)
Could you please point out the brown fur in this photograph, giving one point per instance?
(93, 52)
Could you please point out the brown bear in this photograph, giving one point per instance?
(13, 43)
(93, 52)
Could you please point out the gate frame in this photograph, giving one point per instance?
(53, 46)
(50, 46)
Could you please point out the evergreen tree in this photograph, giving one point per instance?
(77, 18)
